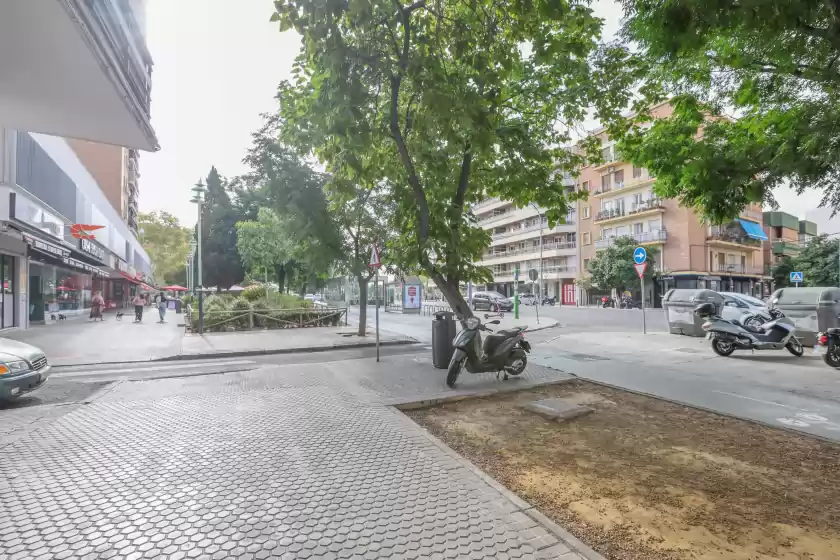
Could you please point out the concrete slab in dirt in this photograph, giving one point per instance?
(557, 409)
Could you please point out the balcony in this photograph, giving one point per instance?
(737, 269)
(549, 250)
(726, 239)
(549, 273)
(752, 215)
(485, 203)
(81, 70)
(570, 220)
(644, 180)
(644, 238)
(786, 247)
(641, 209)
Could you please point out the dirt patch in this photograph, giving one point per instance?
(646, 479)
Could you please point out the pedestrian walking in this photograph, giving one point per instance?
(138, 302)
(162, 307)
(97, 303)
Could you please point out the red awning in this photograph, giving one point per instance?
(130, 278)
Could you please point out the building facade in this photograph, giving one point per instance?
(45, 190)
(787, 234)
(516, 236)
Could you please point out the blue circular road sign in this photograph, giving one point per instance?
(639, 255)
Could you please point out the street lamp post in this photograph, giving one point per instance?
(191, 266)
(198, 199)
(542, 284)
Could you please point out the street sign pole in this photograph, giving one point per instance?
(375, 262)
(640, 258)
(516, 291)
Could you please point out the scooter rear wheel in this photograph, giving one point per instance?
(516, 363)
(795, 348)
(832, 355)
(722, 348)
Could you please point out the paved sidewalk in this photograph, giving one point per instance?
(81, 341)
(299, 461)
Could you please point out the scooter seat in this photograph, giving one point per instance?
(509, 332)
(752, 329)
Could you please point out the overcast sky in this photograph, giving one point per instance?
(217, 67)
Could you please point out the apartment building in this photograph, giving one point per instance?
(116, 169)
(692, 254)
(516, 236)
(787, 235)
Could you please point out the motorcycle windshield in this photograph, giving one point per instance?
(464, 338)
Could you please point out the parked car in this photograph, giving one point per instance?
(23, 368)
(737, 306)
(489, 301)
(527, 299)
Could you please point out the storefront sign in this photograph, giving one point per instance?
(92, 248)
(79, 264)
(48, 248)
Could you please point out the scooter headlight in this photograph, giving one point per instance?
(707, 325)
(473, 323)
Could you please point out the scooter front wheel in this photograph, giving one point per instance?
(722, 348)
(795, 348)
(455, 365)
(832, 354)
(516, 362)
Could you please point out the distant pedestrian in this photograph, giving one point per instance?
(162, 307)
(138, 302)
(97, 303)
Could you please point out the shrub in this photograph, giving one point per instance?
(254, 292)
(215, 311)
(243, 306)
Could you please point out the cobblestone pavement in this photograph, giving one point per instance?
(299, 461)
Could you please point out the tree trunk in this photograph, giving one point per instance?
(280, 270)
(362, 305)
(452, 293)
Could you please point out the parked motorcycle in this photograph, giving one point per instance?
(504, 351)
(828, 345)
(628, 303)
(549, 300)
(607, 301)
(728, 336)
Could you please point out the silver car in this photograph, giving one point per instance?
(23, 368)
(745, 309)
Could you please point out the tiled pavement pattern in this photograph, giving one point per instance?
(283, 462)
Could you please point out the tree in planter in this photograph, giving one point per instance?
(612, 268)
(221, 264)
(773, 63)
(279, 179)
(263, 243)
(362, 214)
(446, 102)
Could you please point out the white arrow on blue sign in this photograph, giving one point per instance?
(639, 255)
(797, 277)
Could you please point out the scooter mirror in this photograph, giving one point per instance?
(496, 322)
(486, 315)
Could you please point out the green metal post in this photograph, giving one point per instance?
(516, 291)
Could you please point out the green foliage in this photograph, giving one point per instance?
(442, 103)
(254, 292)
(819, 262)
(773, 63)
(221, 264)
(263, 243)
(167, 243)
(612, 268)
(241, 306)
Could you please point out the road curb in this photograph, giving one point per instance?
(272, 351)
(520, 506)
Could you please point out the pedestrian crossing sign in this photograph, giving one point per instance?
(796, 277)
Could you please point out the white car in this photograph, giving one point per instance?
(738, 305)
(527, 299)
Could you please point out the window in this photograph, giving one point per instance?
(605, 183)
(637, 199)
(585, 212)
(654, 225)
(584, 186)
(619, 205)
(586, 265)
(637, 172)
(619, 179)
(638, 228)
(607, 153)
(607, 233)
(585, 237)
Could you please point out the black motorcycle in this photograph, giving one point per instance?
(629, 303)
(828, 344)
(503, 351)
(549, 300)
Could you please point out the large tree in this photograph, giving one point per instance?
(818, 261)
(445, 102)
(221, 265)
(166, 241)
(281, 180)
(773, 64)
(264, 243)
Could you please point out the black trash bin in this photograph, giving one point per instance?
(443, 334)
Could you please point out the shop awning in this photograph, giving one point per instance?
(753, 230)
(130, 278)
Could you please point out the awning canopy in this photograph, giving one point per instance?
(753, 230)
